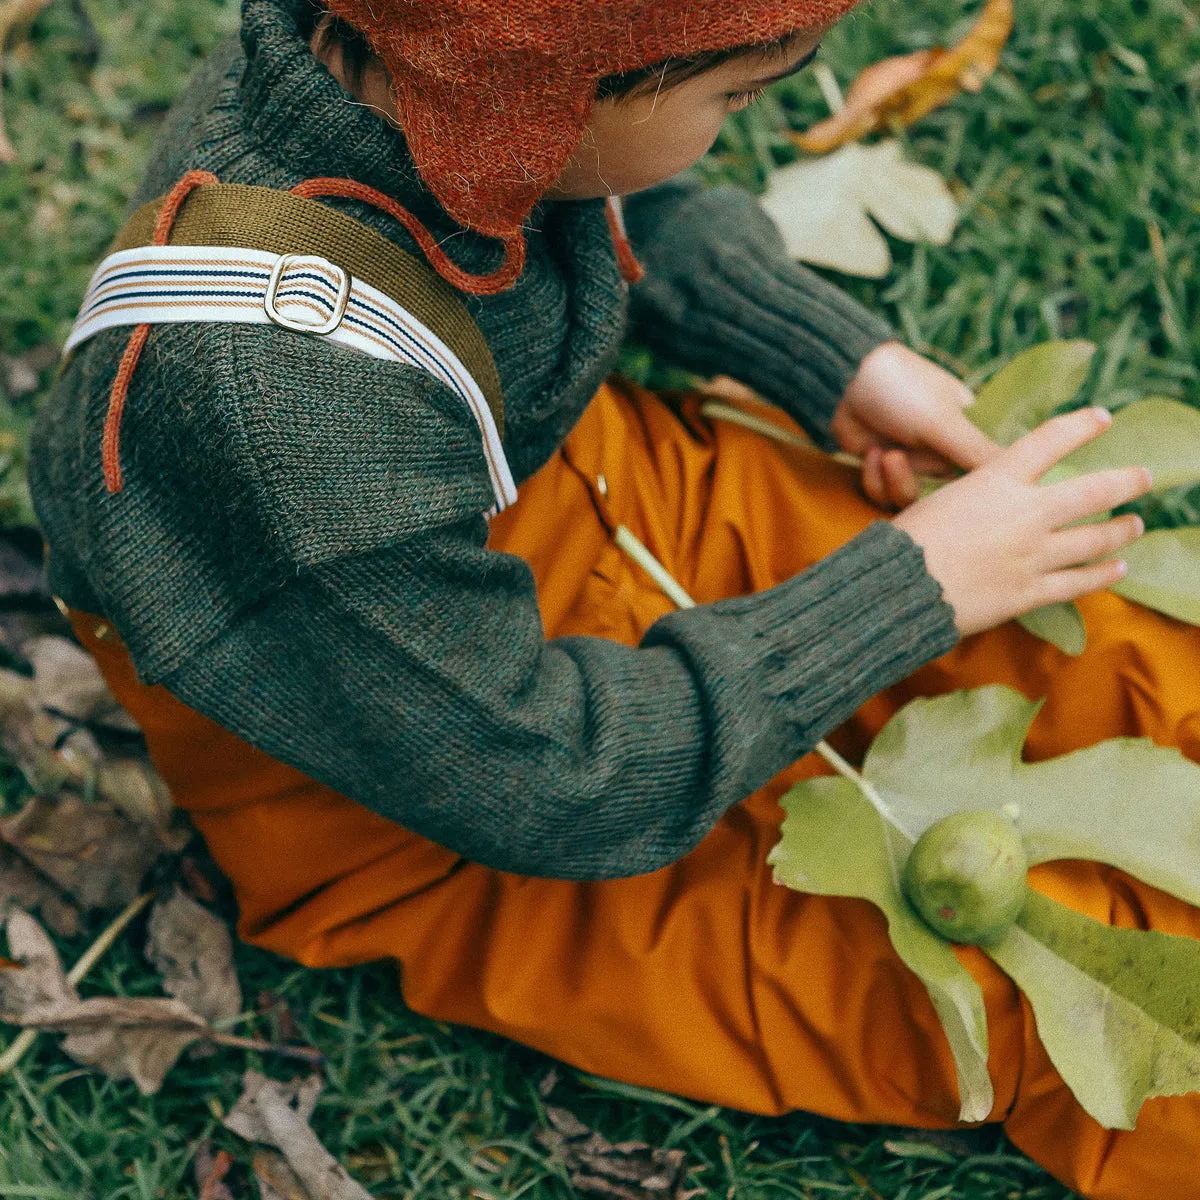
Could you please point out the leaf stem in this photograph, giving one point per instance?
(304, 1053)
(674, 590)
(21, 1043)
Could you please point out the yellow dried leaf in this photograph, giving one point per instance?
(901, 90)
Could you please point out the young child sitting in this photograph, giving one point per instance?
(487, 746)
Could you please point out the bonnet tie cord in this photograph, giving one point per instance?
(111, 444)
(631, 270)
(476, 285)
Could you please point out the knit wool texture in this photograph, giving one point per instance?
(494, 95)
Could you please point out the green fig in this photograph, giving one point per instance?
(966, 876)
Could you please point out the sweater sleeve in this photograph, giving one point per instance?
(721, 296)
(416, 680)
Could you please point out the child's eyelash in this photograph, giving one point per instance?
(740, 100)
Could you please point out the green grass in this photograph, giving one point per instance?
(1078, 169)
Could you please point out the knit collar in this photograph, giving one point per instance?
(301, 115)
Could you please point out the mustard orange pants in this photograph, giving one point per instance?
(705, 978)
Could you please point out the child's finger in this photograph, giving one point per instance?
(1087, 495)
(1030, 457)
(1079, 581)
(1087, 543)
(872, 477)
(900, 479)
(956, 439)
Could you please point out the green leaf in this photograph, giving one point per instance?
(1159, 434)
(833, 843)
(963, 750)
(1164, 573)
(1118, 1010)
(1059, 624)
(1020, 396)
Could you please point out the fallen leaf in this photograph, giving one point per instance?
(276, 1180)
(278, 1114)
(95, 855)
(901, 90)
(210, 1170)
(823, 208)
(21, 885)
(135, 1037)
(193, 951)
(67, 680)
(40, 981)
(135, 788)
(20, 374)
(626, 1170)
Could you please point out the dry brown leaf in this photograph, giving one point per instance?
(20, 375)
(95, 855)
(901, 90)
(278, 1114)
(276, 1180)
(626, 1170)
(21, 885)
(67, 680)
(134, 787)
(193, 951)
(139, 1037)
(210, 1170)
(40, 981)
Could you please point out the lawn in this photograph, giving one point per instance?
(1078, 172)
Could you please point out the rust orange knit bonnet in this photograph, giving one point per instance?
(494, 95)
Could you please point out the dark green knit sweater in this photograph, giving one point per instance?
(298, 551)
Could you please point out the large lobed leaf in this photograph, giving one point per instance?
(834, 844)
(1158, 433)
(1118, 1010)
(1130, 1024)
(823, 208)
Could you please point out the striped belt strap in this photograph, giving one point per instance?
(301, 292)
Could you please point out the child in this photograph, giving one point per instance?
(493, 752)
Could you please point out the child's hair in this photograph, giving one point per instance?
(357, 55)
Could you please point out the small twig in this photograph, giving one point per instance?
(830, 90)
(675, 591)
(21, 1043)
(720, 410)
(304, 1053)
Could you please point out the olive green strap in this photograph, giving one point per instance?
(277, 222)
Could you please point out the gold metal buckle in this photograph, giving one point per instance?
(339, 306)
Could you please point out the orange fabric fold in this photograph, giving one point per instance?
(705, 978)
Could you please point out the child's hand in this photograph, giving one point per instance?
(998, 543)
(903, 414)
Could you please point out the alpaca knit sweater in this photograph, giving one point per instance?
(298, 551)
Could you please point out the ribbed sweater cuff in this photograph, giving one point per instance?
(883, 617)
(804, 655)
(721, 296)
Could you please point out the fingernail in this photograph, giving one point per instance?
(1139, 525)
(1149, 478)
(1122, 568)
(1103, 415)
